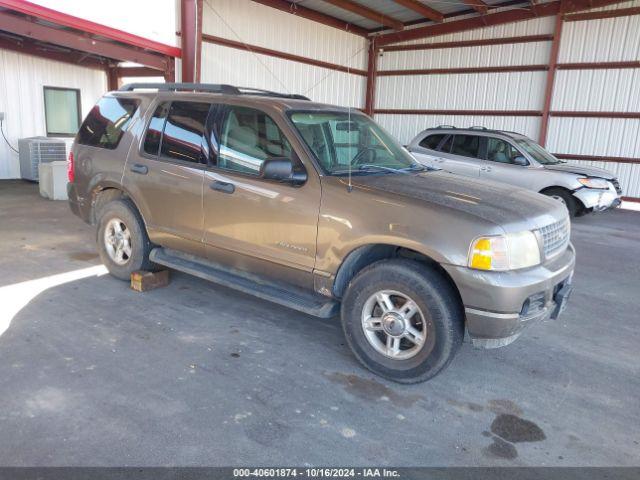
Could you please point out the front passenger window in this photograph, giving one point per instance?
(500, 151)
(248, 138)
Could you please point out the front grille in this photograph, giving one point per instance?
(555, 237)
(616, 185)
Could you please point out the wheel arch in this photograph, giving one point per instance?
(365, 255)
(105, 192)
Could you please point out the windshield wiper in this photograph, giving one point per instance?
(416, 168)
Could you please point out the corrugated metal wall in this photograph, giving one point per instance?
(604, 40)
(22, 78)
(255, 24)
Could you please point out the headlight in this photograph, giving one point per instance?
(505, 252)
(599, 183)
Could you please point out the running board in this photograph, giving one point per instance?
(288, 296)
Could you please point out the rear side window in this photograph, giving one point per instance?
(176, 130)
(432, 141)
(466, 146)
(107, 122)
(183, 135)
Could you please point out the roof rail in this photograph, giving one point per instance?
(478, 127)
(209, 87)
(445, 126)
(196, 87)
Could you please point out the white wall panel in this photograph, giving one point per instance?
(628, 174)
(604, 40)
(480, 91)
(616, 137)
(237, 67)
(250, 22)
(22, 78)
(615, 90)
(406, 127)
(491, 55)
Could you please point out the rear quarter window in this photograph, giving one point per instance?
(107, 122)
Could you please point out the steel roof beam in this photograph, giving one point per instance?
(19, 26)
(422, 9)
(367, 12)
(491, 19)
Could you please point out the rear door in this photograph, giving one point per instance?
(427, 152)
(499, 164)
(165, 175)
(462, 154)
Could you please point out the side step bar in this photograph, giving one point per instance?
(288, 296)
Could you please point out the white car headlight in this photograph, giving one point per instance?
(505, 252)
(599, 183)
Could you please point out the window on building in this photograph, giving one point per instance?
(107, 122)
(62, 111)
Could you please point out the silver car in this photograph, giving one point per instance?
(516, 159)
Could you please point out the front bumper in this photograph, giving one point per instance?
(598, 200)
(500, 305)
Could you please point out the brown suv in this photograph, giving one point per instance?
(317, 208)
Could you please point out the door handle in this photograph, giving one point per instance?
(485, 169)
(141, 169)
(224, 187)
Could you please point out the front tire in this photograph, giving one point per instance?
(565, 197)
(403, 320)
(122, 239)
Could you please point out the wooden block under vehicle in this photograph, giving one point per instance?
(142, 281)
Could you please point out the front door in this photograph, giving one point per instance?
(165, 178)
(261, 226)
(500, 165)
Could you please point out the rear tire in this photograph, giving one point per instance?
(436, 325)
(123, 243)
(565, 197)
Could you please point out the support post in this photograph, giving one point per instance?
(113, 82)
(551, 74)
(372, 74)
(191, 38)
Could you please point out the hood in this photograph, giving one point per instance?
(510, 207)
(581, 170)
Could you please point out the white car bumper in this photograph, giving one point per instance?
(598, 199)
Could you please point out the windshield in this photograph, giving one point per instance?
(538, 153)
(343, 142)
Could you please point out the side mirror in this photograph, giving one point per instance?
(281, 169)
(520, 160)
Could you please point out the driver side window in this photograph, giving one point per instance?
(501, 151)
(249, 137)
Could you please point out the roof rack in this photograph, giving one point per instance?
(208, 87)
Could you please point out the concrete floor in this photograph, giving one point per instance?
(93, 373)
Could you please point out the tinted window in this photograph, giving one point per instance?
(248, 138)
(466, 145)
(446, 146)
(500, 151)
(107, 122)
(432, 141)
(183, 133)
(154, 131)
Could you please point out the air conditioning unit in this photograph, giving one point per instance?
(36, 150)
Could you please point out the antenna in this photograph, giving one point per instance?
(350, 186)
